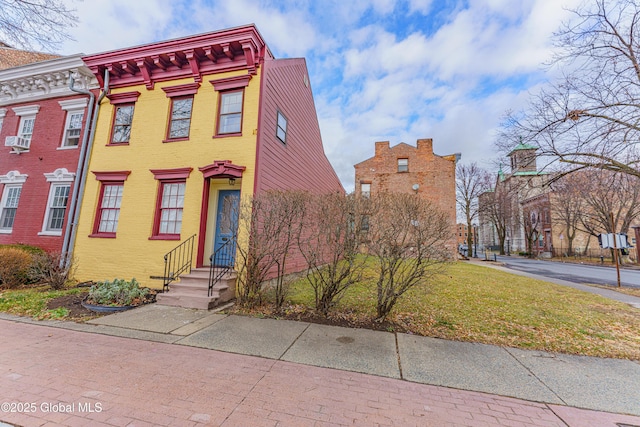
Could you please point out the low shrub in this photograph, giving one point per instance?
(14, 266)
(49, 269)
(119, 292)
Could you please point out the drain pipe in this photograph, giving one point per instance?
(83, 165)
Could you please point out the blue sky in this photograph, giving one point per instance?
(381, 70)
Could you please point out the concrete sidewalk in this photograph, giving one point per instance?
(559, 382)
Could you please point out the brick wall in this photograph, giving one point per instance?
(428, 175)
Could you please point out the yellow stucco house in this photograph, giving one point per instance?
(185, 127)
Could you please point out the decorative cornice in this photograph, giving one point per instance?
(44, 80)
(231, 82)
(60, 175)
(222, 169)
(181, 90)
(13, 177)
(116, 176)
(240, 48)
(166, 174)
(123, 97)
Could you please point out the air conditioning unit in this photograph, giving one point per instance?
(18, 143)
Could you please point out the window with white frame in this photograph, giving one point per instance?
(170, 210)
(365, 189)
(73, 124)
(281, 128)
(56, 209)
(27, 116)
(9, 206)
(3, 112)
(403, 165)
(11, 191)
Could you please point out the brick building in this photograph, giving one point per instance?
(411, 169)
(42, 123)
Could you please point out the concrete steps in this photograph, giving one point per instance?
(191, 290)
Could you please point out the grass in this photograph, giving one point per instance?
(33, 301)
(479, 304)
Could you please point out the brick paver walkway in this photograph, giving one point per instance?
(68, 378)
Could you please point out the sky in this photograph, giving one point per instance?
(380, 70)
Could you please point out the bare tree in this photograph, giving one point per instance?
(330, 245)
(530, 224)
(605, 192)
(36, 24)
(497, 208)
(589, 117)
(568, 206)
(407, 236)
(268, 229)
(471, 181)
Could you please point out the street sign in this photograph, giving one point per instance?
(606, 241)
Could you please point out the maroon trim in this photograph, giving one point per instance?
(123, 98)
(218, 134)
(166, 174)
(165, 237)
(111, 176)
(222, 169)
(175, 139)
(181, 90)
(170, 119)
(263, 82)
(226, 135)
(202, 233)
(103, 235)
(231, 83)
(113, 122)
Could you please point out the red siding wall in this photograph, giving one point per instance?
(43, 157)
(300, 164)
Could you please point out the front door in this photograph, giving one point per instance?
(226, 226)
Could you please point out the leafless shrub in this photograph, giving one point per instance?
(52, 269)
(407, 236)
(330, 246)
(269, 225)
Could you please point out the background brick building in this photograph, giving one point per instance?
(411, 169)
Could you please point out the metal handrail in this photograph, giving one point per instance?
(177, 261)
(222, 262)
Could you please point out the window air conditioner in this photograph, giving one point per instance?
(16, 142)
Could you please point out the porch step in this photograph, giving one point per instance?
(191, 290)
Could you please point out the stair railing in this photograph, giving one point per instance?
(222, 262)
(177, 261)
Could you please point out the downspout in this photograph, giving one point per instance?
(83, 165)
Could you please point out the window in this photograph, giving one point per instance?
(365, 189)
(56, 208)
(72, 129)
(9, 206)
(3, 112)
(27, 116)
(122, 120)
(73, 124)
(171, 205)
(170, 202)
(122, 116)
(403, 165)
(109, 202)
(281, 128)
(60, 180)
(109, 210)
(180, 117)
(230, 120)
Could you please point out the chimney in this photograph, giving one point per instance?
(381, 146)
(425, 145)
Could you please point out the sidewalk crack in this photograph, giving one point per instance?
(535, 376)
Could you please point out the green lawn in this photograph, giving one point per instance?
(480, 304)
(33, 301)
